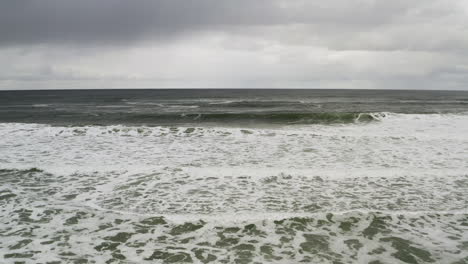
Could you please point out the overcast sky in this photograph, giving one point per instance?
(381, 44)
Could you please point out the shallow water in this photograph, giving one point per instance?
(389, 190)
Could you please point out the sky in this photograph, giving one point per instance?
(366, 44)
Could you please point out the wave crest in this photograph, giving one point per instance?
(268, 118)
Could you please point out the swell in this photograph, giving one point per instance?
(273, 117)
(110, 118)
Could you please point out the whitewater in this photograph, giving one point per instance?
(387, 188)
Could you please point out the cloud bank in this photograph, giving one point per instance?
(381, 44)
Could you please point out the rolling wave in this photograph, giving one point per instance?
(193, 117)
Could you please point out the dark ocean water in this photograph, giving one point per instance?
(163, 107)
(234, 176)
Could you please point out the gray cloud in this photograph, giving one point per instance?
(122, 21)
(242, 43)
(109, 21)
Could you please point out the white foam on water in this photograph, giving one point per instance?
(92, 183)
(425, 141)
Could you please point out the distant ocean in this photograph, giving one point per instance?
(233, 176)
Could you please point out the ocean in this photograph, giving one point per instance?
(233, 176)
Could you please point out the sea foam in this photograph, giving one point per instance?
(393, 191)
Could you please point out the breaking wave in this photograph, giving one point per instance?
(222, 118)
(374, 188)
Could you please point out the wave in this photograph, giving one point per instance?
(251, 118)
(255, 103)
(277, 117)
(222, 112)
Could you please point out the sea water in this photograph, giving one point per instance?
(233, 176)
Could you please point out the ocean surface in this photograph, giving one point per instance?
(233, 176)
